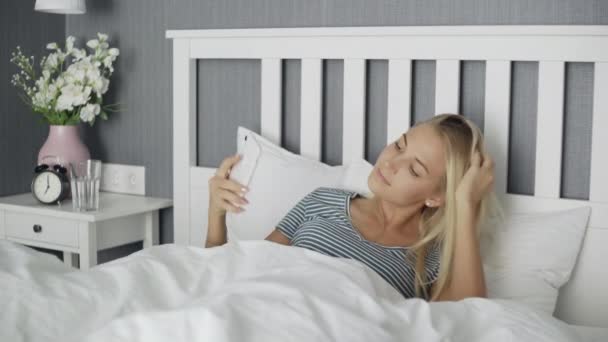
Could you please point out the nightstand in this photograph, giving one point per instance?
(121, 219)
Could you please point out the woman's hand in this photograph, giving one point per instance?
(224, 193)
(477, 181)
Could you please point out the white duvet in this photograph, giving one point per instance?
(245, 291)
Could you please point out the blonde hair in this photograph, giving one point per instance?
(461, 138)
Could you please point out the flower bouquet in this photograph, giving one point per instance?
(70, 84)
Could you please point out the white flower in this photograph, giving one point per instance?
(82, 72)
(88, 112)
(102, 36)
(41, 82)
(52, 46)
(100, 85)
(86, 93)
(69, 44)
(38, 100)
(92, 74)
(72, 95)
(64, 102)
(52, 61)
(114, 52)
(59, 82)
(43, 94)
(76, 72)
(79, 54)
(93, 43)
(107, 62)
(52, 91)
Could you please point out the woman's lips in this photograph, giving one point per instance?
(384, 180)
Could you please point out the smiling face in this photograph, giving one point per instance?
(409, 170)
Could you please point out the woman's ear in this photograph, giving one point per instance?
(432, 202)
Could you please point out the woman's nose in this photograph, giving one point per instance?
(395, 163)
(389, 165)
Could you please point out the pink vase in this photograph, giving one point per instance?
(63, 146)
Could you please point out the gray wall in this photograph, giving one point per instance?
(21, 132)
(229, 94)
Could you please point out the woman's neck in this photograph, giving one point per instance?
(393, 219)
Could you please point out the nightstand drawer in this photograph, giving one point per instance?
(42, 228)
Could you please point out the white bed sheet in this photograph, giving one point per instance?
(591, 334)
(243, 291)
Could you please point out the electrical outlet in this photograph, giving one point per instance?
(126, 179)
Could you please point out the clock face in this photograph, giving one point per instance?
(47, 187)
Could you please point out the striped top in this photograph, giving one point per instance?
(321, 222)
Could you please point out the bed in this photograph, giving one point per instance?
(583, 301)
(261, 291)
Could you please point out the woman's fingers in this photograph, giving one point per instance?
(476, 159)
(231, 207)
(232, 197)
(227, 164)
(222, 183)
(228, 189)
(228, 201)
(226, 194)
(479, 161)
(488, 165)
(487, 161)
(233, 186)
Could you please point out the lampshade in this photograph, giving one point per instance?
(61, 6)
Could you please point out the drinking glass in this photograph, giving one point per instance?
(85, 177)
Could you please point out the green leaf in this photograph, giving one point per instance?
(73, 120)
(115, 107)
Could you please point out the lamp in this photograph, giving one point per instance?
(61, 6)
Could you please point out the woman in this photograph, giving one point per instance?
(419, 230)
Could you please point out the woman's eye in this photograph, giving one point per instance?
(413, 173)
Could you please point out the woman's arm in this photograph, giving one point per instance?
(278, 237)
(224, 195)
(216, 231)
(216, 235)
(467, 278)
(467, 269)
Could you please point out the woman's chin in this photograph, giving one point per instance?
(374, 186)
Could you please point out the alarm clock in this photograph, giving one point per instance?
(50, 185)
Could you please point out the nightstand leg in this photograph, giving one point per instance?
(88, 245)
(68, 259)
(151, 233)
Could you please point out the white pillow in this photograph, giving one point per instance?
(531, 256)
(278, 179)
(355, 178)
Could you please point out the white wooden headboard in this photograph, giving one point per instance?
(584, 300)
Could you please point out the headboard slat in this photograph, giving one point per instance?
(399, 98)
(549, 128)
(447, 86)
(184, 135)
(353, 143)
(310, 108)
(271, 88)
(598, 187)
(496, 120)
